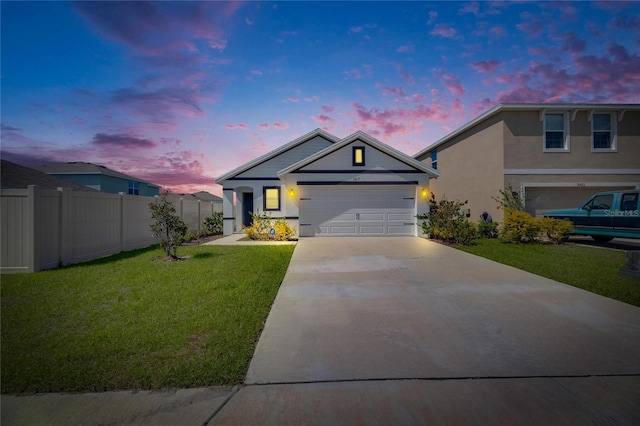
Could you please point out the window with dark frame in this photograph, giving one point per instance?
(358, 155)
(271, 197)
(434, 159)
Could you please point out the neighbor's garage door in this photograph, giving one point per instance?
(357, 210)
(539, 200)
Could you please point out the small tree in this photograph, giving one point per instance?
(510, 199)
(447, 222)
(168, 227)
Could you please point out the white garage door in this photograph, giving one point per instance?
(357, 210)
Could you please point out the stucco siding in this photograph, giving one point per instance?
(271, 167)
(523, 144)
(472, 170)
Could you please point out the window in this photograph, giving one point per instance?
(629, 202)
(556, 132)
(358, 155)
(434, 159)
(271, 195)
(134, 188)
(603, 135)
(600, 202)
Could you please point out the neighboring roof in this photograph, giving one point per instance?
(412, 162)
(205, 196)
(202, 196)
(81, 168)
(15, 176)
(526, 107)
(302, 139)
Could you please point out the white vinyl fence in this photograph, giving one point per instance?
(42, 229)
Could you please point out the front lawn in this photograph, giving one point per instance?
(131, 321)
(591, 269)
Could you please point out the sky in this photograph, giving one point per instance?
(178, 93)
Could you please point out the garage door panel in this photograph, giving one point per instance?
(362, 210)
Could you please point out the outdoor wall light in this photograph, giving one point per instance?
(291, 193)
(425, 192)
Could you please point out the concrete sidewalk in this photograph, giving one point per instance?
(403, 331)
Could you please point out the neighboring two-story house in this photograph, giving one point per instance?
(327, 186)
(554, 155)
(100, 178)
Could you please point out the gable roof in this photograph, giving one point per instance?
(266, 157)
(392, 152)
(526, 107)
(15, 176)
(81, 168)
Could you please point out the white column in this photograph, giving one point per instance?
(227, 211)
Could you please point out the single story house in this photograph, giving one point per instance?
(327, 186)
(100, 177)
(554, 155)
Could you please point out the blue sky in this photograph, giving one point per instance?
(180, 92)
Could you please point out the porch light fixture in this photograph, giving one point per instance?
(291, 193)
(425, 192)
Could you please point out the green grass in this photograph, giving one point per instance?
(591, 269)
(131, 321)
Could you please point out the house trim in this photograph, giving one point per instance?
(368, 140)
(571, 171)
(316, 182)
(268, 156)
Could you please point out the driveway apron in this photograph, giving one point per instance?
(425, 330)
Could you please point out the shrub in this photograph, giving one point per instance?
(447, 222)
(487, 230)
(519, 227)
(168, 226)
(555, 230)
(261, 226)
(212, 225)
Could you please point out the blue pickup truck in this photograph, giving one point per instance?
(605, 215)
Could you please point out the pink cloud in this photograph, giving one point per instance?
(256, 72)
(281, 126)
(472, 8)
(445, 31)
(483, 105)
(263, 126)
(405, 48)
(239, 126)
(485, 66)
(327, 108)
(452, 82)
(293, 99)
(572, 43)
(321, 118)
(312, 99)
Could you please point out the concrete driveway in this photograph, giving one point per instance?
(407, 331)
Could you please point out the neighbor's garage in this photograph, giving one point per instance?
(541, 199)
(350, 210)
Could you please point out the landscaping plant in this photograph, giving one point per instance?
(510, 199)
(446, 221)
(213, 224)
(261, 227)
(168, 226)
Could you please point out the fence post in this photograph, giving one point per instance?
(33, 262)
(66, 237)
(122, 221)
(199, 216)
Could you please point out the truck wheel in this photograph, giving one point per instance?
(601, 238)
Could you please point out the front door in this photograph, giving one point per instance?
(247, 208)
